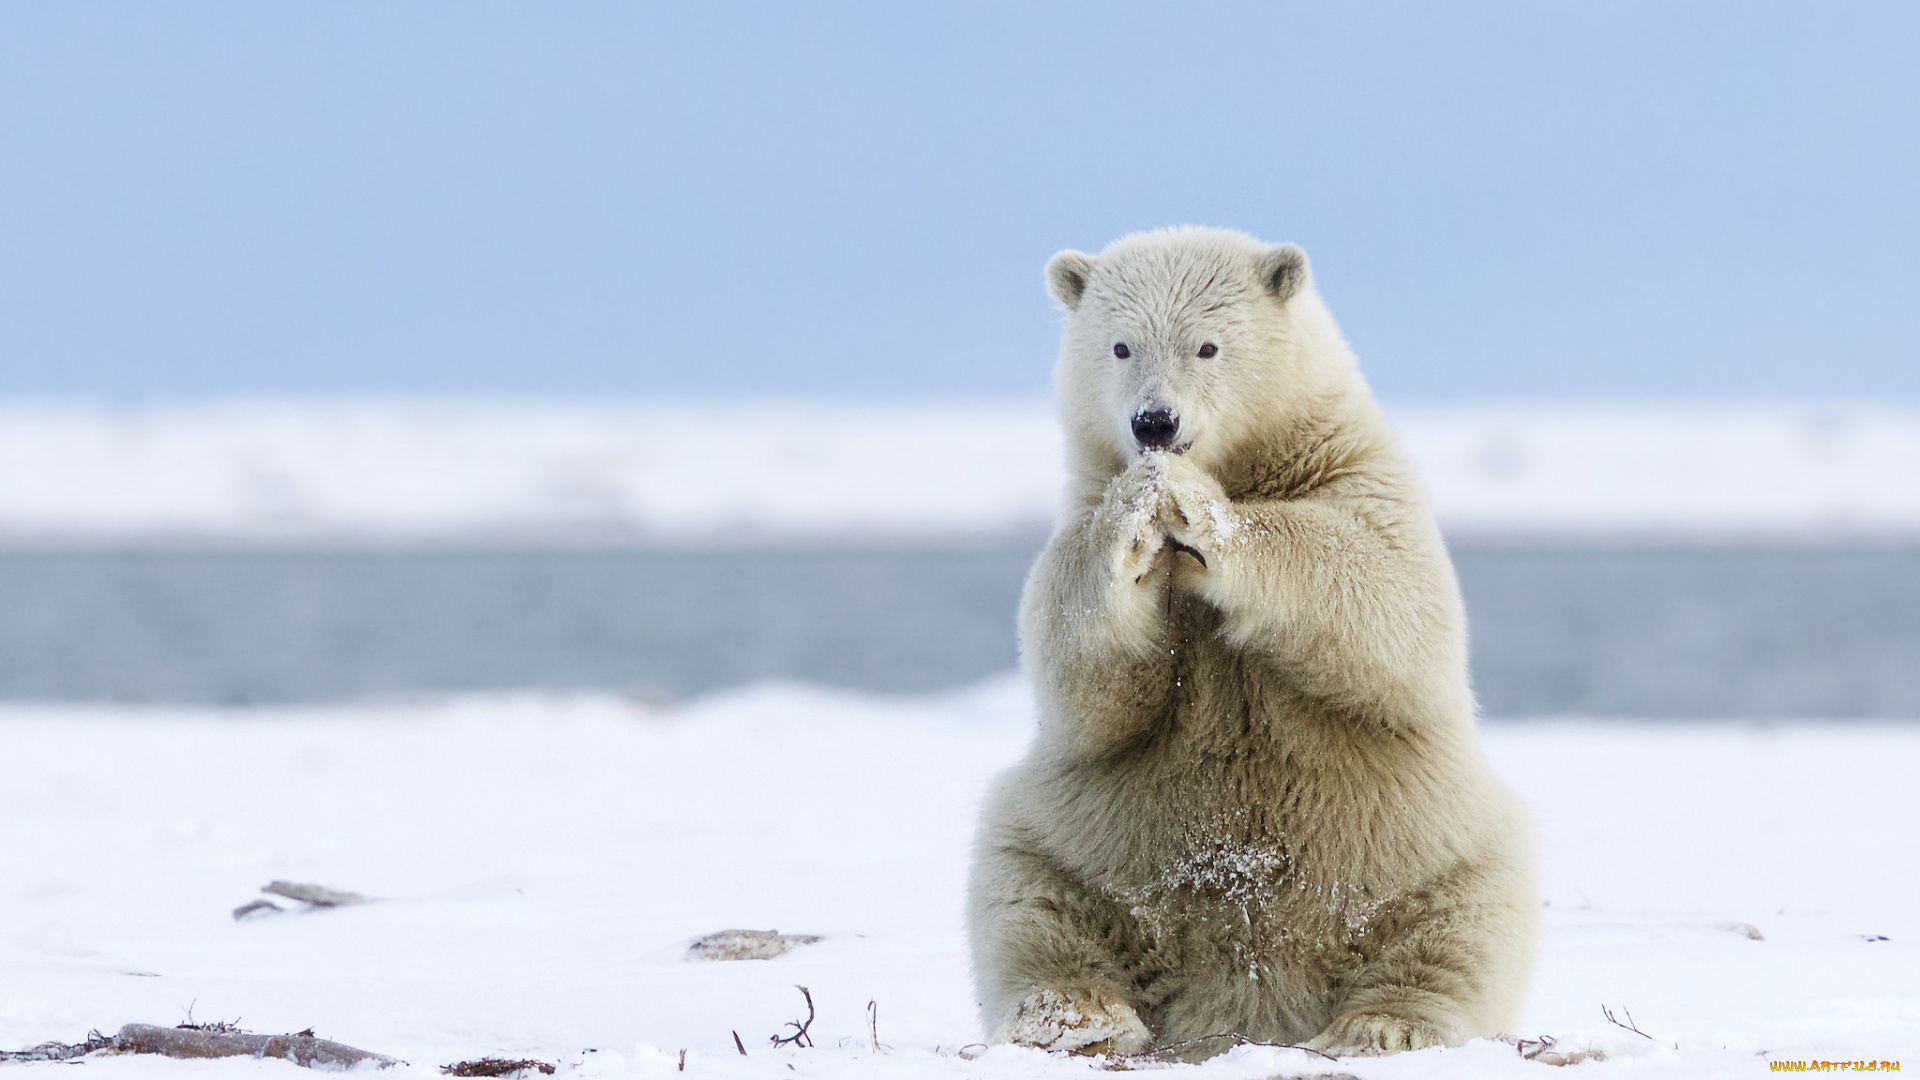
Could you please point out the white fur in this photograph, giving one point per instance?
(1256, 803)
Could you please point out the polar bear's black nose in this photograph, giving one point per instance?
(1155, 428)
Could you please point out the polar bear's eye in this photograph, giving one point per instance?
(1207, 351)
(1120, 350)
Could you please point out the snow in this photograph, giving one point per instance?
(731, 472)
(539, 865)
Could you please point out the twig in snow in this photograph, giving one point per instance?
(738, 1045)
(873, 1024)
(683, 1061)
(799, 1036)
(1628, 1026)
(218, 1027)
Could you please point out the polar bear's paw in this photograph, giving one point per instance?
(1196, 511)
(1378, 1033)
(1139, 545)
(1132, 510)
(1080, 1023)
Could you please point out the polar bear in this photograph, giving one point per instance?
(1256, 804)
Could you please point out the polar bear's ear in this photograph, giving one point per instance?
(1067, 275)
(1283, 270)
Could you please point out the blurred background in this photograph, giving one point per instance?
(360, 350)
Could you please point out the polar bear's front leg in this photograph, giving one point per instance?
(1093, 622)
(1127, 531)
(1354, 596)
(1095, 589)
(1046, 950)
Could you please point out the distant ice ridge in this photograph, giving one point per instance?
(690, 472)
(1779, 471)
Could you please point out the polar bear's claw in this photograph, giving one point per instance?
(1189, 549)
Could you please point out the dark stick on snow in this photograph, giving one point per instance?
(738, 1045)
(799, 1036)
(873, 1024)
(1629, 1025)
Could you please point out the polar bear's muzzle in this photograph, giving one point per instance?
(1157, 429)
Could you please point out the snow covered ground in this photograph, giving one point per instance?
(541, 864)
(702, 472)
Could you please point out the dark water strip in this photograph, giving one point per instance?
(1661, 632)
(1695, 632)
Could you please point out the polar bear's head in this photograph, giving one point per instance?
(1186, 341)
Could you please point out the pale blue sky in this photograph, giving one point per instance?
(1519, 199)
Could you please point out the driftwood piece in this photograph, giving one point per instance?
(314, 897)
(747, 945)
(303, 1050)
(317, 895)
